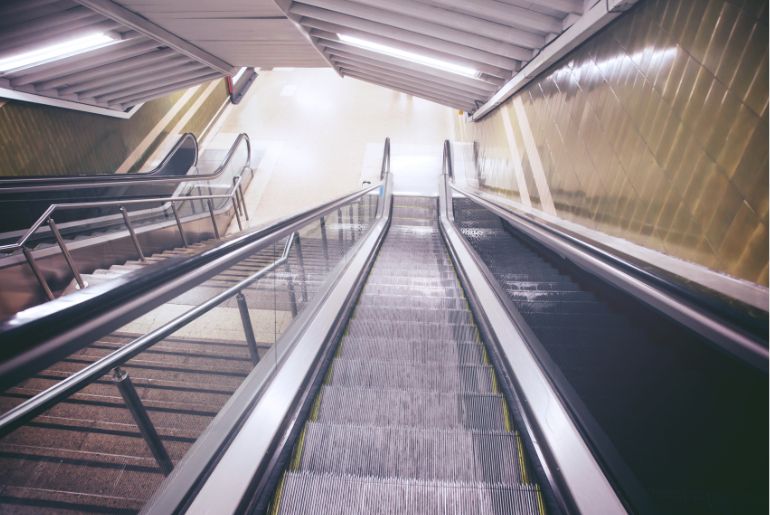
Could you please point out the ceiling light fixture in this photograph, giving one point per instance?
(56, 51)
(446, 66)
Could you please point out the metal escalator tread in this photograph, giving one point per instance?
(409, 418)
(356, 494)
(365, 406)
(441, 454)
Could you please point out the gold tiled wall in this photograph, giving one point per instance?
(654, 130)
(37, 139)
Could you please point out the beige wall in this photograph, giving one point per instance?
(655, 130)
(321, 132)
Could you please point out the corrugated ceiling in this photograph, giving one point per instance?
(171, 44)
(133, 69)
(495, 38)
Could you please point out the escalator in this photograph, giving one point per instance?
(380, 354)
(103, 221)
(409, 418)
(673, 410)
(22, 199)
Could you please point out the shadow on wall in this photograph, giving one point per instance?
(654, 130)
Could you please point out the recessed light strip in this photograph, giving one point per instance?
(446, 66)
(56, 51)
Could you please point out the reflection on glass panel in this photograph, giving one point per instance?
(122, 425)
(655, 130)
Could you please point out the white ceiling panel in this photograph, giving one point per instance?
(241, 32)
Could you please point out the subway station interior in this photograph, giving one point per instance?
(334, 257)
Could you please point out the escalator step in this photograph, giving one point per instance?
(323, 494)
(400, 375)
(446, 331)
(406, 452)
(411, 408)
(418, 351)
(406, 301)
(427, 316)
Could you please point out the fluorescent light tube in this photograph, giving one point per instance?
(238, 75)
(56, 51)
(409, 56)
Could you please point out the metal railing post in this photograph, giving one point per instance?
(237, 215)
(213, 219)
(142, 419)
(179, 224)
(248, 330)
(243, 201)
(339, 224)
(350, 221)
(65, 251)
(38, 274)
(236, 199)
(290, 281)
(324, 241)
(301, 261)
(360, 203)
(131, 233)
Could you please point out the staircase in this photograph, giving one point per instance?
(86, 453)
(409, 418)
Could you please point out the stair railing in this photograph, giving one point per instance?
(113, 362)
(234, 196)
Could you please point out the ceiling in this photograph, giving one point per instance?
(171, 44)
(495, 38)
(133, 69)
(253, 33)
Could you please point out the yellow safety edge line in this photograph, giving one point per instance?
(522, 461)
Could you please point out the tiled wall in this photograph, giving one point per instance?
(654, 130)
(41, 140)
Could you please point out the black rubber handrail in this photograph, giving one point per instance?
(40, 336)
(156, 176)
(186, 141)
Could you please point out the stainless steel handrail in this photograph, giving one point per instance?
(234, 195)
(129, 180)
(79, 380)
(43, 219)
